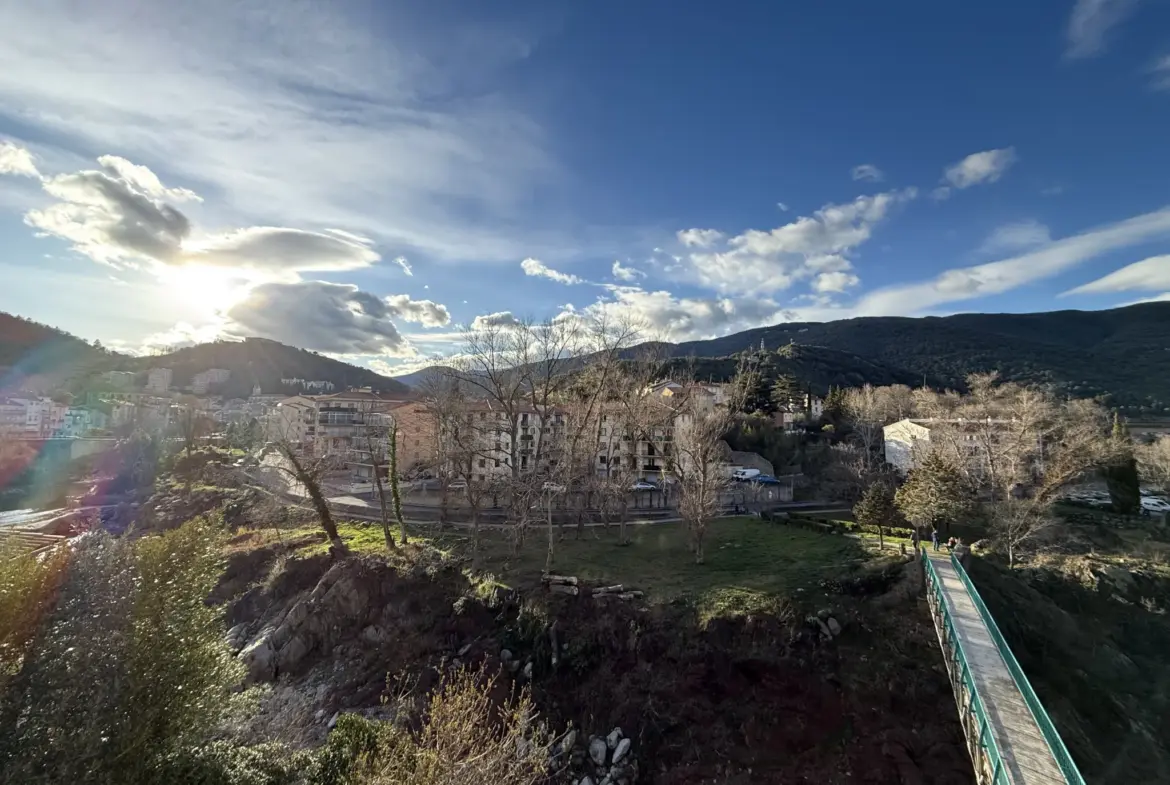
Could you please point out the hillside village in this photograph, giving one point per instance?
(597, 484)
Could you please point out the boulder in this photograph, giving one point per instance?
(598, 751)
(613, 738)
(834, 627)
(620, 751)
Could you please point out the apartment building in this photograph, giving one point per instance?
(907, 441)
(202, 381)
(158, 380)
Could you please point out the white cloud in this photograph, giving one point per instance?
(539, 269)
(1160, 72)
(1091, 22)
(298, 113)
(1164, 297)
(17, 160)
(177, 337)
(329, 317)
(120, 215)
(834, 282)
(1015, 237)
(674, 318)
(424, 312)
(985, 167)
(627, 274)
(1148, 275)
(499, 319)
(941, 194)
(783, 207)
(405, 265)
(868, 173)
(769, 261)
(698, 238)
(1001, 276)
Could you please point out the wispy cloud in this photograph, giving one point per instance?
(868, 173)
(405, 265)
(1160, 74)
(623, 273)
(985, 167)
(1015, 237)
(1150, 275)
(1091, 23)
(294, 113)
(997, 277)
(538, 269)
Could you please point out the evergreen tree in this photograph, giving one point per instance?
(1121, 474)
(786, 391)
(877, 508)
(934, 494)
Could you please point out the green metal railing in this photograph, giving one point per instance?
(1067, 767)
(986, 740)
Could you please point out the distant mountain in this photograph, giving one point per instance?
(1123, 352)
(264, 362)
(413, 379)
(39, 357)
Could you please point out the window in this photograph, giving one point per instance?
(601, 459)
(482, 462)
(497, 463)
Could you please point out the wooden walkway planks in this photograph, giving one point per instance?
(1025, 752)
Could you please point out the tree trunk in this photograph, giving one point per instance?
(394, 492)
(313, 488)
(390, 544)
(699, 530)
(622, 521)
(548, 561)
(444, 498)
(475, 536)
(881, 537)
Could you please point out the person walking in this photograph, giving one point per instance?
(934, 538)
(914, 541)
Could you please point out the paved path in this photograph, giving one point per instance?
(1025, 752)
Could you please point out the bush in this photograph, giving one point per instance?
(28, 589)
(128, 669)
(464, 738)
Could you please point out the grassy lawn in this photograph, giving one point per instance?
(750, 565)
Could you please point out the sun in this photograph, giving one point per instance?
(209, 289)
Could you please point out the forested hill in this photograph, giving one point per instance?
(263, 362)
(815, 367)
(37, 355)
(1123, 352)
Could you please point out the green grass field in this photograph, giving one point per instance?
(750, 565)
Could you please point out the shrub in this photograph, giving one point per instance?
(128, 669)
(464, 738)
(28, 589)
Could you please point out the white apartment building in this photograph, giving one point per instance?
(907, 441)
(158, 380)
(202, 381)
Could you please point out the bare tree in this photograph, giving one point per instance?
(1154, 462)
(376, 438)
(700, 464)
(1021, 526)
(192, 423)
(308, 471)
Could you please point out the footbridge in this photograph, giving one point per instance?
(1010, 737)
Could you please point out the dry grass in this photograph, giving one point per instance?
(464, 738)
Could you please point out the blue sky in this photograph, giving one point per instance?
(361, 178)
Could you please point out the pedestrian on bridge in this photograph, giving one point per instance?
(914, 540)
(934, 538)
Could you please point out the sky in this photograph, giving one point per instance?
(366, 179)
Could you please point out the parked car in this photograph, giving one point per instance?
(457, 485)
(552, 487)
(642, 485)
(744, 474)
